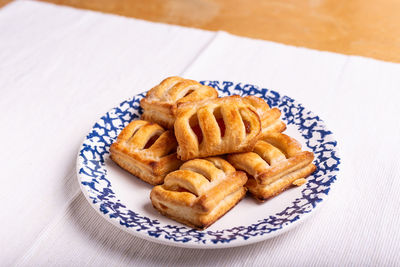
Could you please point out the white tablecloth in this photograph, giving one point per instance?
(61, 69)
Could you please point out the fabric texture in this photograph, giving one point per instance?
(62, 68)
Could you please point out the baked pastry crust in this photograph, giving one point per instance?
(276, 163)
(215, 127)
(270, 121)
(161, 101)
(146, 150)
(200, 192)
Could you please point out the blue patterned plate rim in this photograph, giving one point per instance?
(92, 175)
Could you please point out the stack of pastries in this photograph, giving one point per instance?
(203, 153)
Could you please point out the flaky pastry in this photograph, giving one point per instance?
(270, 121)
(146, 150)
(217, 126)
(200, 192)
(276, 163)
(161, 101)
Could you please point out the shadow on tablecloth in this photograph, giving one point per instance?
(134, 250)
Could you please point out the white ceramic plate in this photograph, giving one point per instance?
(124, 200)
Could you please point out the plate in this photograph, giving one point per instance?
(124, 200)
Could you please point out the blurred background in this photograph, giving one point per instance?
(368, 28)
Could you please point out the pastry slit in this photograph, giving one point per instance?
(192, 181)
(167, 89)
(151, 141)
(269, 153)
(289, 146)
(220, 120)
(137, 128)
(141, 137)
(244, 114)
(191, 90)
(195, 126)
(235, 127)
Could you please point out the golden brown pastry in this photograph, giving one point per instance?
(200, 192)
(161, 101)
(270, 121)
(217, 126)
(276, 163)
(146, 150)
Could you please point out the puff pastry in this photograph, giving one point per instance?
(217, 126)
(276, 163)
(146, 150)
(200, 192)
(270, 121)
(161, 101)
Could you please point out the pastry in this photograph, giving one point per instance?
(146, 150)
(200, 192)
(217, 126)
(161, 101)
(270, 121)
(276, 163)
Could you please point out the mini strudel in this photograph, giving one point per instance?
(146, 150)
(200, 192)
(161, 101)
(217, 126)
(276, 163)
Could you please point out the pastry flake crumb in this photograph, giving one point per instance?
(299, 182)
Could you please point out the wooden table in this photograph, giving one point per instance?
(368, 28)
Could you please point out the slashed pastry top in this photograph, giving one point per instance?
(161, 101)
(276, 162)
(146, 150)
(215, 127)
(270, 121)
(200, 192)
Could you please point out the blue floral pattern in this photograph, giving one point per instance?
(92, 171)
